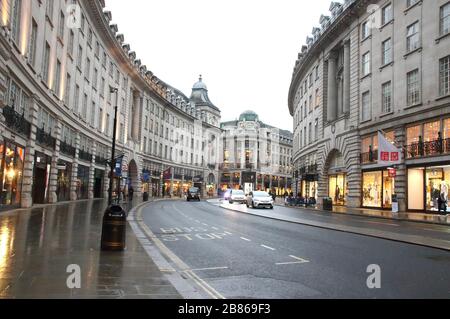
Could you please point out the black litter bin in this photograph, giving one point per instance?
(328, 204)
(145, 197)
(114, 228)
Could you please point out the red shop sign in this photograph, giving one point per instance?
(392, 173)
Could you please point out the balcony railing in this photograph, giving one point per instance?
(67, 149)
(16, 121)
(211, 166)
(369, 157)
(45, 139)
(85, 156)
(432, 148)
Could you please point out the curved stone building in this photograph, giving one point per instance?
(63, 69)
(374, 66)
(255, 156)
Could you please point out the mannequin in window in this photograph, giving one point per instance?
(443, 199)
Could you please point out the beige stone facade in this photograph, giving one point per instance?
(58, 60)
(374, 65)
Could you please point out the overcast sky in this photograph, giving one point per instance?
(244, 49)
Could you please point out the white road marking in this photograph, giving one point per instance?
(381, 223)
(212, 268)
(205, 224)
(267, 247)
(215, 228)
(246, 239)
(300, 261)
(298, 258)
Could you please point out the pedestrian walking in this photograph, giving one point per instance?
(130, 193)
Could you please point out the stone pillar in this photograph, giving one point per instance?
(161, 182)
(240, 178)
(270, 182)
(106, 176)
(182, 180)
(135, 117)
(171, 181)
(27, 181)
(92, 172)
(53, 184)
(332, 96)
(346, 99)
(73, 179)
(401, 178)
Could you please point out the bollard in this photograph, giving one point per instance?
(114, 228)
(145, 197)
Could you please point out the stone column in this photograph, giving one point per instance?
(27, 181)
(332, 92)
(270, 182)
(92, 172)
(182, 179)
(401, 179)
(53, 184)
(346, 99)
(106, 176)
(135, 117)
(73, 179)
(161, 181)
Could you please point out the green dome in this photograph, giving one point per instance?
(249, 116)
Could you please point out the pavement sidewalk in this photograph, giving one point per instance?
(378, 213)
(37, 245)
(429, 235)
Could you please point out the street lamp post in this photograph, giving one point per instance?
(115, 218)
(113, 151)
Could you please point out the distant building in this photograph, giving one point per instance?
(256, 156)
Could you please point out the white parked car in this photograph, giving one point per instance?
(237, 196)
(259, 199)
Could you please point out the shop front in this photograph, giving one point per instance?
(338, 188)
(41, 177)
(248, 181)
(309, 184)
(99, 176)
(63, 180)
(145, 179)
(82, 182)
(155, 181)
(12, 158)
(428, 188)
(377, 188)
(225, 181)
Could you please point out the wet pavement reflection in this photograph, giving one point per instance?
(37, 246)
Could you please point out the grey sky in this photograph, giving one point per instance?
(245, 49)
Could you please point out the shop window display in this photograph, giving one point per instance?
(338, 189)
(11, 173)
(372, 189)
(437, 181)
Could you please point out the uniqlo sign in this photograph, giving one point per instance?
(385, 156)
(394, 157)
(392, 173)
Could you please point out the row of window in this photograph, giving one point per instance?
(413, 90)
(307, 107)
(304, 137)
